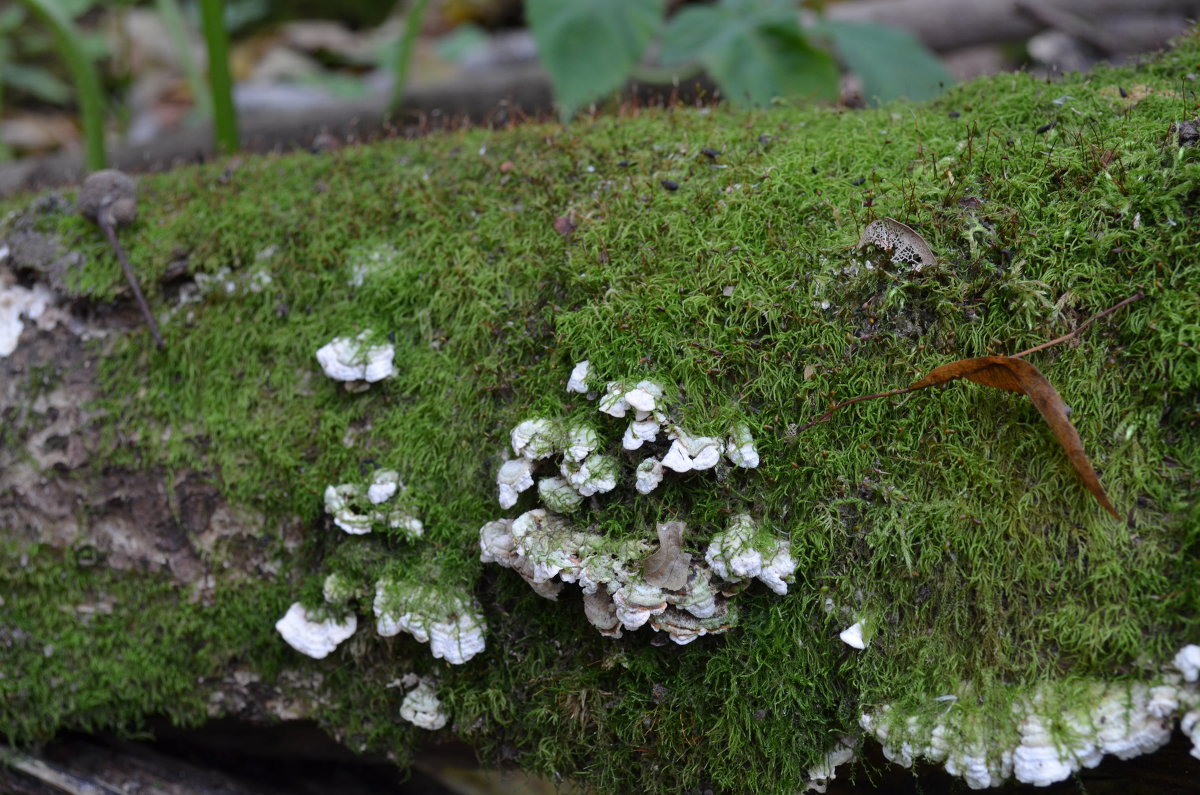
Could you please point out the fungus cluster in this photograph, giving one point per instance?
(584, 470)
(356, 509)
(314, 634)
(422, 708)
(626, 584)
(1121, 719)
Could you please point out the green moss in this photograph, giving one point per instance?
(950, 516)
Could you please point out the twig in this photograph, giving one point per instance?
(111, 234)
(1135, 297)
(829, 414)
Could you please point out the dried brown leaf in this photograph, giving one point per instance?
(1018, 375)
(905, 245)
(668, 567)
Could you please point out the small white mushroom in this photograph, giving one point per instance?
(534, 438)
(740, 449)
(853, 636)
(558, 496)
(649, 474)
(578, 380)
(352, 359)
(689, 452)
(514, 477)
(383, 486)
(596, 474)
(421, 707)
(310, 634)
(613, 401)
(338, 501)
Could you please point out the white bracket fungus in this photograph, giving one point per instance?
(17, 301)
(557, 495)
(309, 634)
(534, 439)
(741, 553)
(624, 587)
(1119, 718)
(514, 476)
(1188, 662)
(450, 623)
(692, 452)
(649, 474)
(356, 514)
(581, 441)
(421, 707)
(353, 360)
(596, 474)
(853, 635)
(740, 449)
(578, 380)
(383, 486)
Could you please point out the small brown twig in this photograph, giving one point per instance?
(829, 414)
(111, 234)
(1135, 297)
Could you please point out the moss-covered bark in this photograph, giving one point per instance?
(496, 260)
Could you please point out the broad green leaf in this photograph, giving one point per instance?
(892, 63)
(755, 50)
(590, 46)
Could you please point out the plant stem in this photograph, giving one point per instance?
(216, 39)
(172, 17)
(87, 84)
(412, 26)
(131, 277)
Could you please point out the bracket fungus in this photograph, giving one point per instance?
(578, 380)
(740, 552)
(357, 510)
(514, 477)
(310, 634)
(422, 708)
(449, 622)
(353, 361)
(1056, 734)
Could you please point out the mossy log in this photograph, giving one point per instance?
(160, 510)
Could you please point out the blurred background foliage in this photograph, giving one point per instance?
(151, 57)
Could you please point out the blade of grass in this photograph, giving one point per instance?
(87, 83)
(216, 40)
(172, 16)
(412, 26)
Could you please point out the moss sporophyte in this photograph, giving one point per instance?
(1011, 628)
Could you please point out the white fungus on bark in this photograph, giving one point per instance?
(692, 452)
(357, 512)
(613, 402)
(639, 432)
(312, 634)
(648, 475)
(1188, 662)
(1057, 738)
(514, 477)
(17, 302)
(351, 359)
(557, 495)
(339, 504)
(581, 441)
(534, 439)
(383, 486)
(421, 707)
(449, 622)
(578, 380)
(853, 636)
(741, 552)
(740, 449)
